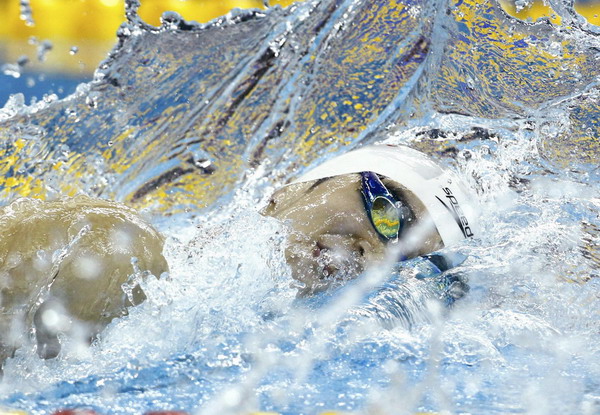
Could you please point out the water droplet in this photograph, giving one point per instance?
(73, 50)
(470, 83)
(13, 259)
(203, 164)
(124, 31)
(92, 99)
(88, 267)
(41, 261)
(11, 69)
(23, 60)
(64, 151)
(71, 113)
(522, 4)
(48, 98)
(43, 49)
(25, 13)
(171, 20)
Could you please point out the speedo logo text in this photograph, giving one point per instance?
(457, 212)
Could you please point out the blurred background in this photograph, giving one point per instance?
(50, 46)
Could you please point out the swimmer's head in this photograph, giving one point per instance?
(355, 209)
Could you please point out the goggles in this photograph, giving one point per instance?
(387, 214)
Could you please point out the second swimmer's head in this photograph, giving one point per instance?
(348, 213)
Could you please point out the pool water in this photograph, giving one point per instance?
(196, 125)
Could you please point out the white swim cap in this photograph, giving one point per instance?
(451, 207)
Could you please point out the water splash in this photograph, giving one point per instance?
(26, 13)
(209, 119)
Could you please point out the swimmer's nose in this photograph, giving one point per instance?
(363, 247)
(319, 247)
(343, 245)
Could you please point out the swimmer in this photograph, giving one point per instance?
(66, 261)
(354, 210)
(62, 267)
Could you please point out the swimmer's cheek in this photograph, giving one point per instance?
(318, 266)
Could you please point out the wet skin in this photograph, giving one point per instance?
(332, 238)
(71, 256)
(62, 266)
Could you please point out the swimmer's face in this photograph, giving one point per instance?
(332, 237)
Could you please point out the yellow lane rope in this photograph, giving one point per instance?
(88, 27)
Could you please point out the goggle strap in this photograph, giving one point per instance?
(373, 187)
